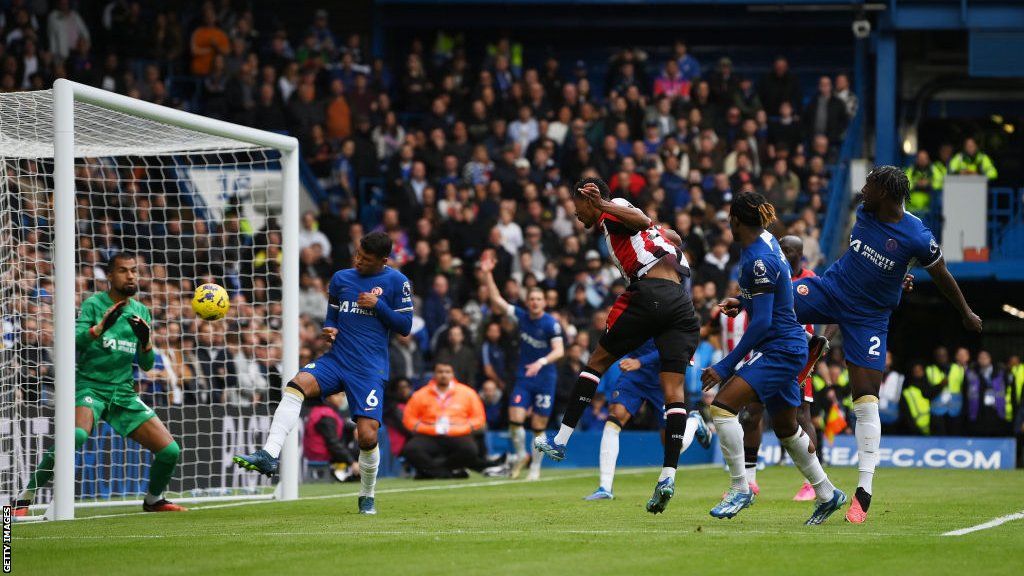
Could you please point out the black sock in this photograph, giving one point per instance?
(863, 497)
(750, 456)
(582, 394)
(675, 426)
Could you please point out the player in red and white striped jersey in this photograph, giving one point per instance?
(655, 305)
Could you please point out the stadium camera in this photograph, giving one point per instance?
(861, 28)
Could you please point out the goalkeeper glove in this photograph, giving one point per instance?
(141, 330)
(109, 317)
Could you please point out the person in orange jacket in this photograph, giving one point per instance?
(443, 416)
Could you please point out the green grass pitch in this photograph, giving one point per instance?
(490, 527)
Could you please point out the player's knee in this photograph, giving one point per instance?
(80, 437)
(367, 439)
(170, 453)
(619, 413)
(719, 410)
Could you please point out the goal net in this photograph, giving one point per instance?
(193, 207)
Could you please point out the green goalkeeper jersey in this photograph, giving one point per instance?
(107, 362)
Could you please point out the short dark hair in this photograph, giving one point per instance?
(892, 180)
(376, 244)
(112, 263)
(606, 192)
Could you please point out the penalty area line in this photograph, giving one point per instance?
(985, 526)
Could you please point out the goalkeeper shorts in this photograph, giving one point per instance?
(122, 409)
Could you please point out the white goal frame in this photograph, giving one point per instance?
(65, 94)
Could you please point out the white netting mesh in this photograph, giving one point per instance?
(194, 208)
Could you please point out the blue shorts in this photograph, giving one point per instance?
(537, 393)
(864, 331)
(633, 388)
(772, 375)
(365, 394)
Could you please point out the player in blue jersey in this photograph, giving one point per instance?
(777, 345)
(365, 304)
(860, 290)
(540, 346)
(638, 383)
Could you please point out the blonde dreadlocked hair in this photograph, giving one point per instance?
(753, 209)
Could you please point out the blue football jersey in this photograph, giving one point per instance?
(869, 276)
(764, 269)
(361, 346)
(535, 338)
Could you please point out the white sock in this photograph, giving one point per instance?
(150, 499)
(869, 439)
(538, 456)
(564, 433)
(518, 439)
(667, 473)
(689, 432)
(796, 445)
(368, 462)
(751, 474)
(285, 418)
(730, 438)
(609, 454)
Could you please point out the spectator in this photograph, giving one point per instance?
(208, 41)
(779, 85)
(324, 438)
(66, 29)
(671, 84)
(926, 180)
(825, 114)
(494, 405)
(689, 68)
(845, 95)
(458, 354)
(946, 380)
(396, 397)
(443, 416)
(988, 398)
(339, 116)
(973, 161)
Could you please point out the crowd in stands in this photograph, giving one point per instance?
(454, 153)
(927, 176)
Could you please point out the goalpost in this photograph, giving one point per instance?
(85, 173)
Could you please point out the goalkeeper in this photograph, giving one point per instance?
(111, 333)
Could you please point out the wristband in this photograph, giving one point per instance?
(544, 361)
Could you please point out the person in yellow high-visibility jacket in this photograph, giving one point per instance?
(973, 161)
(1016, 369)
(947, 380)
(926, 179)
(916, 408)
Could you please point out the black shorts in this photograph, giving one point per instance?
(659, 309)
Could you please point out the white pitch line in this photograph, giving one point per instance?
(990, 524)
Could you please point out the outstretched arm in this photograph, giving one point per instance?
(499, 304)
(951, 290)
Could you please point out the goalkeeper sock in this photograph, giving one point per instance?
(161, 471)
(518, 435)
(609, 452)
(730, 438)
(797, 447)
(582, 393)
(285, 418)
(869, 438)
(675, 428)
(44, 472)
(369, 460)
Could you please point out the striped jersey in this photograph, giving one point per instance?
(635, 252)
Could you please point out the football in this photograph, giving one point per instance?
(211, 302)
